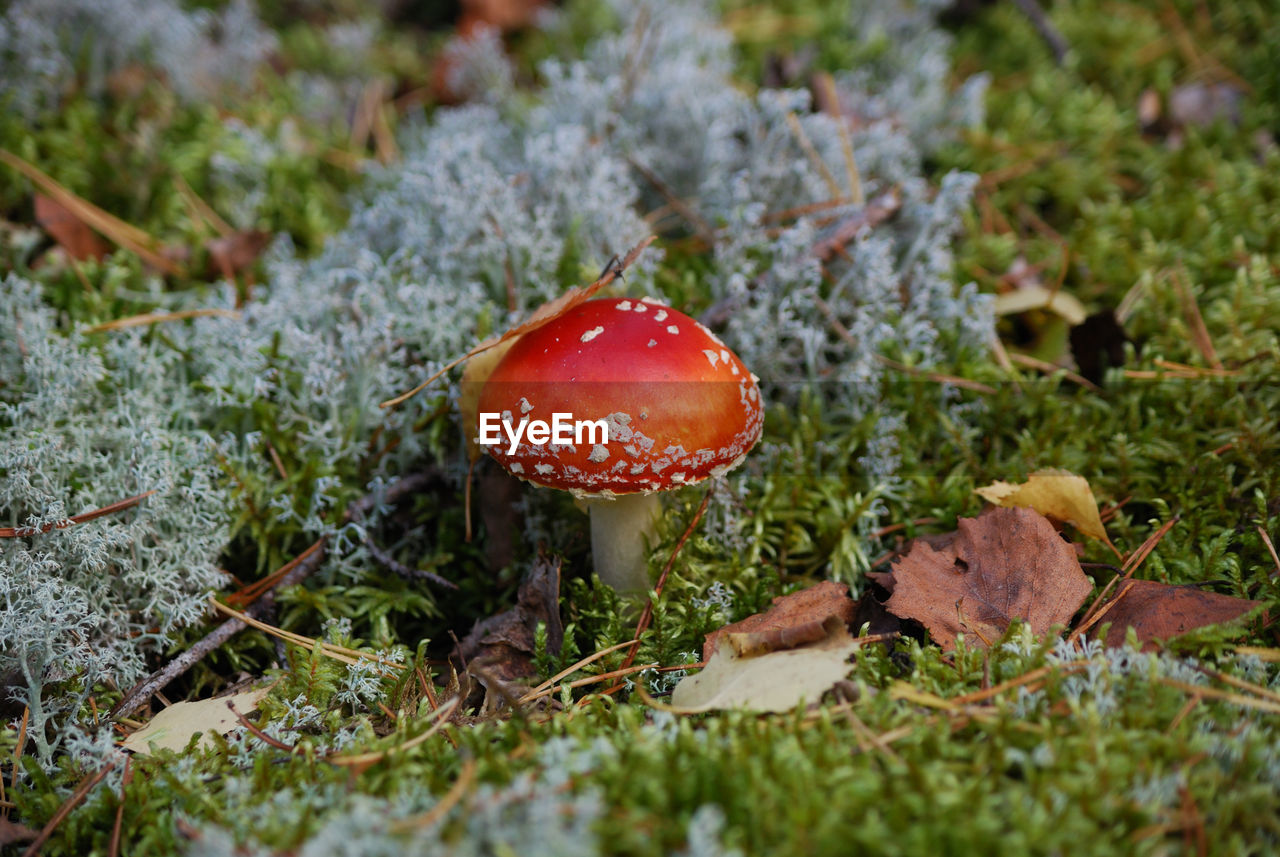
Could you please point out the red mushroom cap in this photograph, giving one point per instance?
(678, 404)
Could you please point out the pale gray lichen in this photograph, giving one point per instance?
(82, 428)
(47, 45)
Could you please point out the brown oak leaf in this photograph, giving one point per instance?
(1005, 564)
(793, 620)
(1161, 611)
(72, 233)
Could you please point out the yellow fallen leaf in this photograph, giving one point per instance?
(1056, 494)
(172, 728)
(775, 682)
(478, 370)
(1032, 297)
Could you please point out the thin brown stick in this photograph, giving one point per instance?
(17, 751)
(81, 792)
(684, 209)
(157, 681)
(1051, 368)
(116, 829)
(1139, 556)
(875, 212)
(1097, 617)
(1056, 42)
(253, 591)
(1191, 310)
(83, 517)
(806, 145)
(258, 733)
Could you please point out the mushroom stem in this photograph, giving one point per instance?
(621, 529)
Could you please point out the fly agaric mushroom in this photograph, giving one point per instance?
(677, 406)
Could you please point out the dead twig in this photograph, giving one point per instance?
(77, 797)
(84, 517)
(1044, 27)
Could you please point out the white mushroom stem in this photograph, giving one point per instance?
(621, 530)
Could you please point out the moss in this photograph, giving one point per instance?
(1107, 752)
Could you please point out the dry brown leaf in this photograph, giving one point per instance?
(503, 15)
(173, 728)
(71, 233)
(11, 832)
(231, 254)
(806, 609)
(1160, 611)
(1005, 564)
(125, 234)
(504, 646)
(1057, 494)
(777, 681)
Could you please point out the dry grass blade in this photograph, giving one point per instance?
(1139, 556)
(793, 122)
(1191, 310)
(937, 378)
(678, 205)
(84, 517)
(162, 317)
(1025, 678)
(1050, 369)
(1270, 656)
(360, 761)
(431, 817)
(590, 659)
(1091, 618)
(200, 208)
(1240, 684)
(337, 653)
(1224, 695)
(589, 680)
(126, 235)
(253, 591)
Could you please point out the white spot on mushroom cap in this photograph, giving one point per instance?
(711, 356)
(516, 467)
(624, 305)
(724, 354)
(592, 333)
(525, 407)
(640, 306)
(652, 342)
(660, 315)
(543, 469)
(598, 453)
(671, 328)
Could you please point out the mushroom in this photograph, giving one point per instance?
(677, 406)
